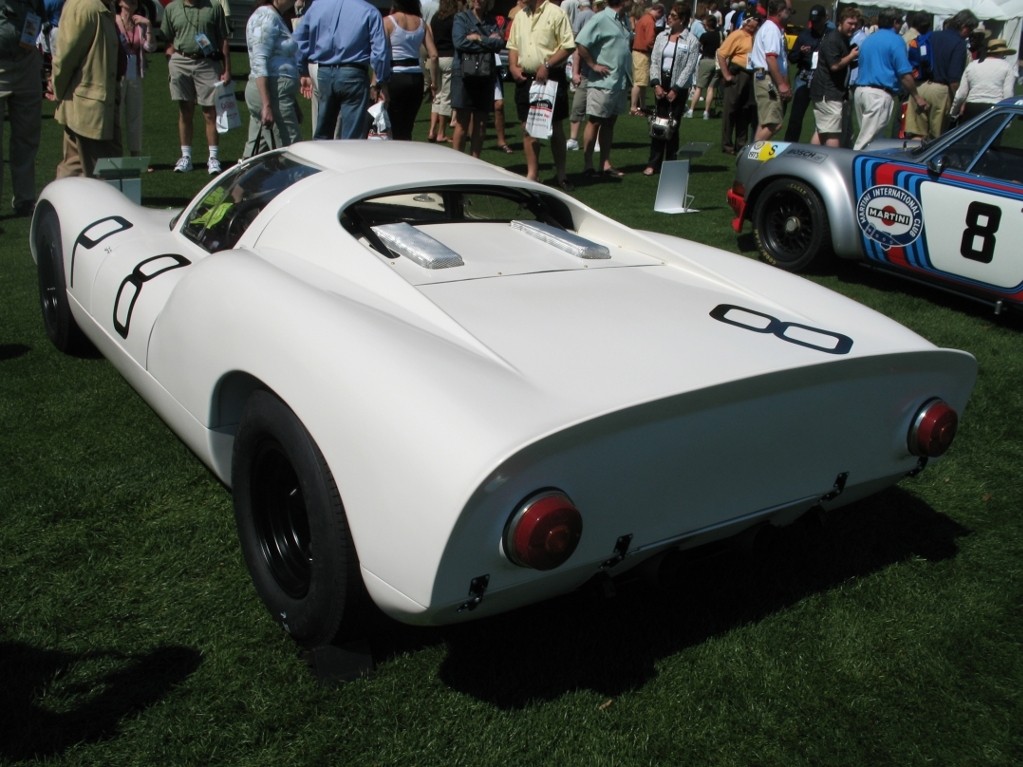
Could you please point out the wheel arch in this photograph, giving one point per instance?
(834, 193)
(230, 393)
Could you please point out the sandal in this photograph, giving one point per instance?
(562, 183)
(613, 173)
(506, 149)
(649, 171)
(442, 140)
(636, 112)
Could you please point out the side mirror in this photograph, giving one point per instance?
(936, 165)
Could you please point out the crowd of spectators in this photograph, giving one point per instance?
(850, 73)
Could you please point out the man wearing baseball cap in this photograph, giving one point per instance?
(804, 57)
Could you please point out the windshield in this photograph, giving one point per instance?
(223, 214)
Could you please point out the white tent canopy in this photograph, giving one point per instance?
(996, 10)
(1003, 17)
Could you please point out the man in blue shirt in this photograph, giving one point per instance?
(344, 38)
(883, 68)
(947, 61)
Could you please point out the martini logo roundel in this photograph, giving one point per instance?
(889, 215)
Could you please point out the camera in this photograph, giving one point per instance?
(662, 127)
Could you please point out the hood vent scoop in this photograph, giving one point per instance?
(567, 242)
(405, 240)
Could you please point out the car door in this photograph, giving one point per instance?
(955, 216)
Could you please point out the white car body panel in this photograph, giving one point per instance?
(441, 398)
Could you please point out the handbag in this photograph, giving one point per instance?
(662, 128)
(261, 143)
(477, 65)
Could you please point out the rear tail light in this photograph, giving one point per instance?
(933, 429)
(543, 531)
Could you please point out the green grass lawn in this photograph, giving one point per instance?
(888, 633)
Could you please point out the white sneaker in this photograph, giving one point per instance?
(184, 165)
(572, 144)
(689, 113)
(213, 166)
(706, 115)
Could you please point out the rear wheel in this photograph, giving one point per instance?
(60, 325)
(291, 523)
(791, 225)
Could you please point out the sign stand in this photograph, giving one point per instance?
(124, 173)
(673, 184)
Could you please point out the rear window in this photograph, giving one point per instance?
(454, 204)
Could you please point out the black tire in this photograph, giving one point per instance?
(292, 524)
(791, 226)
(60, 325)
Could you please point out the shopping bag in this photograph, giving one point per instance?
(380, 127)
(540, 120)
(228, 116)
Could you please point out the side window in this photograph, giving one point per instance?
(225, 212)
(1004, 160)
(968, 153)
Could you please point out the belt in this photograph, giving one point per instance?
(193, 56)
(889, 91)
(364, 66)
(937, 82)
(405, 63)
(759, 69)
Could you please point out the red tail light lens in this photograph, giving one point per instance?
(933, 429)
(544, 531)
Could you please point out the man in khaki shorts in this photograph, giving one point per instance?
(770, 70)
(828, 88)
(198, 59)
(605, 50)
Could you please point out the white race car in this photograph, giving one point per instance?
(465, 392)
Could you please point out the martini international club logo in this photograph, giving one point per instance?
(889, 215)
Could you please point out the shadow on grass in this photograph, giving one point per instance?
(892, 282)
(611, 646)
(53, 700)
(13, 351)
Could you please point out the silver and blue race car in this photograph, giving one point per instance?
(948, 213)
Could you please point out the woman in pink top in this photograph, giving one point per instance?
(135, 33)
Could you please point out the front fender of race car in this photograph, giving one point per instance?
(827, 171)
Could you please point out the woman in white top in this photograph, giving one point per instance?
(407, 31)
(272, 90)
(673, 62)
(986, 81)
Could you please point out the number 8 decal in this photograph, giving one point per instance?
(978, 243)
(821, 340)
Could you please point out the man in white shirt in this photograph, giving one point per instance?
(770, 70)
